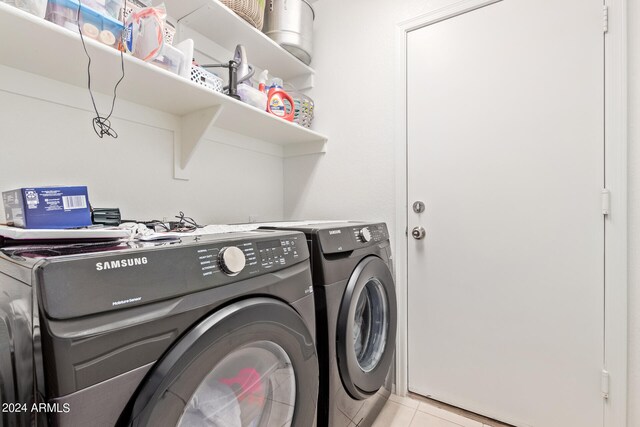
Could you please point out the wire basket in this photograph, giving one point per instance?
(204, 78)
(251, 11)
(303, 109)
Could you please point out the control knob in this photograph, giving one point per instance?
(231, 260)
(365, 235)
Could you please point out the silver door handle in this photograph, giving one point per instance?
(418, 233)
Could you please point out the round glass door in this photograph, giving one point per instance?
(253, 386)
(252, 363)
(370, 325)
(366, 329)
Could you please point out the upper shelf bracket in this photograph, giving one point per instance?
(193, 128)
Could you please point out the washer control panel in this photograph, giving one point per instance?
(345, 239)
(162, 271)
(229, 260)
(251, 257)
(371, 233)
(279, 252)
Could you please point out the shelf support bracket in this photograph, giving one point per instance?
(304, 82)
(192, 129)
(315, 147)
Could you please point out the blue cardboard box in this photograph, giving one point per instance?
(47, 207)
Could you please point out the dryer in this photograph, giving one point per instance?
(356, 318)
(210, 331)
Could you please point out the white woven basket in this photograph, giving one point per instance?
(303, 107)
(251, 11)
(203, 77)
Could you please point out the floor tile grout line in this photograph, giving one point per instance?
(444, 419)
(485, 421)
(440, 418)
(450, 412)
(415, 411)
(406, 406)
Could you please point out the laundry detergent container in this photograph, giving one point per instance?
(290, 24)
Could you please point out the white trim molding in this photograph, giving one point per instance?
(615, 407)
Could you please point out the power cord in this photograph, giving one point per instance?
(184, 224)
(101, 125)
(187, 222)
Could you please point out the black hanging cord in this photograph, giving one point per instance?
(101, 125)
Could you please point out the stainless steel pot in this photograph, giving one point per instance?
(290, 24)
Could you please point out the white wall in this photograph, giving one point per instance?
(353, 57)
(354, 179)
(354, 53)
(354, 62)
(44, 143)
(633, 24)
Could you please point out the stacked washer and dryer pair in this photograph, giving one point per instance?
(210, 331)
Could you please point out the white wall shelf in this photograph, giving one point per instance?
(37, 46)
(217, 22)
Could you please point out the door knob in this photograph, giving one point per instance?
(418, 233)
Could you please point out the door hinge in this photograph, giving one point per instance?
(605, 19)
(605, 384)
(606, 201)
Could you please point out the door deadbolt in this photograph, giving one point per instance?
(418, 207)
(418, 233)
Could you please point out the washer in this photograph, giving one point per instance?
(356, 318)
(210, 331)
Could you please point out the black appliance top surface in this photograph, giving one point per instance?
(26, 253)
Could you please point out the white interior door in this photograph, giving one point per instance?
(505, 149)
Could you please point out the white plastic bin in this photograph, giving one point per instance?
(252, 96)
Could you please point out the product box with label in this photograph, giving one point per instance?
(47, 207)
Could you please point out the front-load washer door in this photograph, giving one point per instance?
(366, 334)
(252, 363)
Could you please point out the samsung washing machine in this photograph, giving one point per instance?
(209, 331)
(356, 318)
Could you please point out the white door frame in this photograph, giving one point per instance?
(615, 345)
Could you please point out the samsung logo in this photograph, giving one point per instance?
(335, 232)
(121, 263)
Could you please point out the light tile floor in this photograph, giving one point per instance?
(418, 412)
